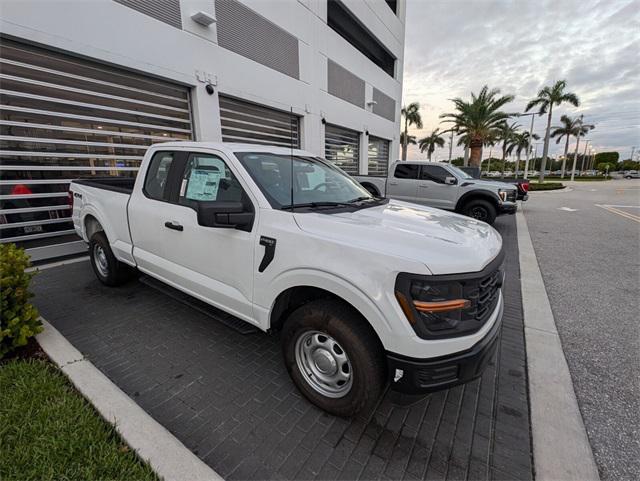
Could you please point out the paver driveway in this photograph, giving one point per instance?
(228, 398)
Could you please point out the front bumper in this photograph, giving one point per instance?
(508, 208)
(419, 376)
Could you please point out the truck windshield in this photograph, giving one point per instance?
(460, 172)
(316, 182)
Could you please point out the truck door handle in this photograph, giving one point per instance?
(171, 225)
(423, 186)
(393, 183)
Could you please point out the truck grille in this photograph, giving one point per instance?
(511, 195)
(483, 294)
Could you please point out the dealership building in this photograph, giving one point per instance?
(86, 86)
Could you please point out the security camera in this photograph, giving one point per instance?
(209, 88)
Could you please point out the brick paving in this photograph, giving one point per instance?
(228, 398)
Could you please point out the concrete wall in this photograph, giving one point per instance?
(110, 32)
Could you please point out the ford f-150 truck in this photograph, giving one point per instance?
(364, 291)
(446, 187)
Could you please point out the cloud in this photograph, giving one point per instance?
(454, 47)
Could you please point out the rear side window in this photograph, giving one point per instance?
(406, 171)
(434, 173)
(155, 184)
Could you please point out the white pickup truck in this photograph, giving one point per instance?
(364, 291)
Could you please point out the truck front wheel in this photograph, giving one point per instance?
(480, 209)
(109, 270)
(333, 357)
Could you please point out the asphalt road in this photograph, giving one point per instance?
(588, 246)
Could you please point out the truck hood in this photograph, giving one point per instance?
(494, 186)
(446, 243)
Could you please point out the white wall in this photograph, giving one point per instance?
(112, 33)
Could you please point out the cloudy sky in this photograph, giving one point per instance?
(454, 47)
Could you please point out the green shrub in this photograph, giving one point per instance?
(533, 186)
(18, 318)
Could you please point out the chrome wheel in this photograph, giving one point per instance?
(324, 364)
(101, 261)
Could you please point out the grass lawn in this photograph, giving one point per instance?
(48, 431)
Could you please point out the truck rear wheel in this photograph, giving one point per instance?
(480, 209)
(333, 357)
(109, 270)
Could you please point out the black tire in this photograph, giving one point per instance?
(627, 177)
(480, 209)
(110, 271)
(362, 347)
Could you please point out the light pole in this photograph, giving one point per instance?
(575, 155)
(450, 146)
(584, 155)
(489, 160)
(526, 163)
(535, 153)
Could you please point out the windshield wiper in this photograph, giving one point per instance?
(315, 205)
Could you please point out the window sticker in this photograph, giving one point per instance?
(203, 184)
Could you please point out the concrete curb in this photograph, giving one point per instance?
(561, 449)
(166, 455)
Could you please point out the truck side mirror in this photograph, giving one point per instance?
(450, 180)
(225, 214)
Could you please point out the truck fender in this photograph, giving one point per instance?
(335, 285)
(90, 211)
(477, 194)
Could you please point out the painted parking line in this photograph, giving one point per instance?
(619, 212)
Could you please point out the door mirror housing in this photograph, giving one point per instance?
(225, 214)
(450, 180)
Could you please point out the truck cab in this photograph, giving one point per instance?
(444, 186)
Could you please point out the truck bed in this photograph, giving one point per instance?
(124, 185)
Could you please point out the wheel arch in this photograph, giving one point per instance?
(91, 225)
(295, 294)
(477, 194)
(371, 188)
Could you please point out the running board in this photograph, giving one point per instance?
(228, 320)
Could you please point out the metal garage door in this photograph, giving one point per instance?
(254, 124)
(378, 159)
(342, 147)
(62, 118)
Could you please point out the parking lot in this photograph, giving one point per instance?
(586, 240)
(228, 398)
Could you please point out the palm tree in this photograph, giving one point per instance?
(565, 130)
(506, 134)
(546, 99)
(412, 116)
(410, 139)
(521, 142)
(430, 143)
(478, 119)
(571, 127)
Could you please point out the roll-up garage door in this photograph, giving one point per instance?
(63, 118)
(378, 159)
(342, 147)
(255, 124)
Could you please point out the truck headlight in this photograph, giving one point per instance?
(502, 194)
(436, 305)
